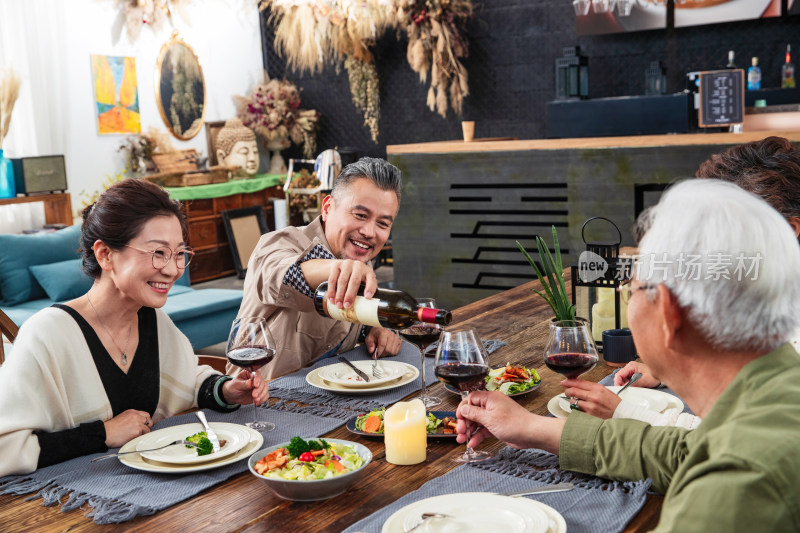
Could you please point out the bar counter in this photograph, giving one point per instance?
(465, 204)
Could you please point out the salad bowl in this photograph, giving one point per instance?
(300, 490)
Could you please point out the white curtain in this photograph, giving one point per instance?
(33, 42)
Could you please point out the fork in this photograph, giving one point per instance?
(180, 441)
(634, 378)
(425, 516)
(376, 372)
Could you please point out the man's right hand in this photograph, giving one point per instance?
(647, 380)
(345, 278)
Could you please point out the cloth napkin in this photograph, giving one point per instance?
(594, 504)
(116, 493)
(295, 387)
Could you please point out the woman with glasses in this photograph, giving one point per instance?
(95, 372)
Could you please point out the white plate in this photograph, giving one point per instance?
(725, 12)
(654, 396)
(136, 461)
(235, 436)
(341, 374)
(313, 378)
(640, 396)
(469, 511)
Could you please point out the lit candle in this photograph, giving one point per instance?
(404, 433)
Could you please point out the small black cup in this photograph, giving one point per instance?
(618, 348)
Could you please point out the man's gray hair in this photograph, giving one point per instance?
(382, 173)
(730, 260)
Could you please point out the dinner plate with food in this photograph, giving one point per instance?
(511, 380)
(441, 424)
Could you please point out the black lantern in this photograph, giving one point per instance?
(572, 75)
(595, 279)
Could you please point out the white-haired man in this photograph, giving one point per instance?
(717, 337)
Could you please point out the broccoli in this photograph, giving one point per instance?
(298, 446)
(204, 446)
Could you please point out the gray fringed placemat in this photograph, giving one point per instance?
(594, 504)
(116, 493)
(295, 387)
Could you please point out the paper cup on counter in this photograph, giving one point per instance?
(468, 129)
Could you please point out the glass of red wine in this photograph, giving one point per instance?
(570, 349)
(462, 362)
(250, 346)
(422, 335)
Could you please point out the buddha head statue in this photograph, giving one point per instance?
(236, 146)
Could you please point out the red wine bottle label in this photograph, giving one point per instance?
(426, 314)
(363, 311)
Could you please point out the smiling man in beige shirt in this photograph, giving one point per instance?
(287, 266)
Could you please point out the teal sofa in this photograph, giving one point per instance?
(41, 269)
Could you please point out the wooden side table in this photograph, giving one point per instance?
(57, 206)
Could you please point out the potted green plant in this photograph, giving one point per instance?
(551, 276)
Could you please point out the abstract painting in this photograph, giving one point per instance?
(116, 94)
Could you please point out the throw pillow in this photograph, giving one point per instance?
(18, 252)
(63, 280)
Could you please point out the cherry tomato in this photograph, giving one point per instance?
(307, 457)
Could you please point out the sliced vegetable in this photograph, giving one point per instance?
(372, 424)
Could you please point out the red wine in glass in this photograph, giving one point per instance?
(251, 346)
(465, 377)
(421, 336)
(570, 365)
(251, 357)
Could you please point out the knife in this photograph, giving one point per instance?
(209, 432)
(559, 487)
(361, 374)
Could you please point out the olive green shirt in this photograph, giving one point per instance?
(738, 471)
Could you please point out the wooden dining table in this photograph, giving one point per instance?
(244, 504)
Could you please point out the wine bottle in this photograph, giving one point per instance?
(754, 76)
(387, 308)
(787, 71)
(731, 63)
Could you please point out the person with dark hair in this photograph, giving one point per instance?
(769, 168)
(287, 266)
(97, 371)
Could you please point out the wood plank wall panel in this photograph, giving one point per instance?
(461, 213)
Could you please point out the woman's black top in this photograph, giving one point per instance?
(138, 389)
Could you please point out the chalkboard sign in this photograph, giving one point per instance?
(721, 98)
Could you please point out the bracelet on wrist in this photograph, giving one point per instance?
(219, 397)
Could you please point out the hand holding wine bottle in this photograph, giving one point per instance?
(387, 308)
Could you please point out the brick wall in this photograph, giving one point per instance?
(513, 45)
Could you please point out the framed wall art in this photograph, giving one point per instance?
(180, 88)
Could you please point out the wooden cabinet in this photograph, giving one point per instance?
(57, 207)
(213, 258)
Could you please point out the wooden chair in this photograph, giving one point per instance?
(9, 330)
(214, 361)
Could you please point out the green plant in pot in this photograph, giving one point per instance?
(551, 276)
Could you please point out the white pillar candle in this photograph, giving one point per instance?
(404, 433)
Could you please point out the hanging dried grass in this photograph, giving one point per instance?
(9, 91)
(133, 15)
(364, 89)
(435, 40)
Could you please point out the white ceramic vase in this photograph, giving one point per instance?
(277, 165)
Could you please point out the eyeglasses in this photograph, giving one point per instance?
(162, 255)
(626, 291)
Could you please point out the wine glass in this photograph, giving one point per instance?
(250, 346)
(570, 349)
(462, 362)
(421, 335)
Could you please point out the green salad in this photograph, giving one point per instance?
(372, 422)
(512, 379)
(309, 460)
